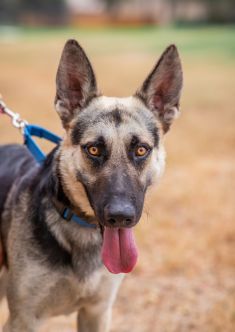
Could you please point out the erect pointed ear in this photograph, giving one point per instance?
(75, 82)
(162, 88)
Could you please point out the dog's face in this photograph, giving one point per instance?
(116, 152)
(113, 147)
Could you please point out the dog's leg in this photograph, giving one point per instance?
(94, 319)
(3, 282)
(22, 317)
(20, 323)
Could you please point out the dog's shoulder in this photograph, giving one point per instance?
(15, 162)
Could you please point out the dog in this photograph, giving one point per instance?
(111, 153)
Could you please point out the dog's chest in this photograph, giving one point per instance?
(67, 294)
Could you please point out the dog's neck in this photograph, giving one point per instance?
(57, 190)
(60, 242)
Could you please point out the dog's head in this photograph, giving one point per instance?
(113, 147)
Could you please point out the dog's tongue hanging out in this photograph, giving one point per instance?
(119, 252)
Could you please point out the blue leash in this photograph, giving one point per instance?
(33, 130)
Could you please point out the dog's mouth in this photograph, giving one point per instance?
(119, 251)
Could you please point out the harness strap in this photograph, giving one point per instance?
(33, 130)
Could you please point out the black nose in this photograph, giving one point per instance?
(119, 214)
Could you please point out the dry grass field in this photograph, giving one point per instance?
(185, 277)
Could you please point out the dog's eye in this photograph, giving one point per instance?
(94, 151)
(141, 151)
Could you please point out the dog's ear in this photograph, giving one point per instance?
(162, 88)
(75, 82)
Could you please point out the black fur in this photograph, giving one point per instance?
(116, 187)
(43, 184)
(18, 166)
(138, 162)
(81, 126)
(115, 116)
(47, 184)
(15, 160)
(154, 132)
(98, 161)
(78, 132)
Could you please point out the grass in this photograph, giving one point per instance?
(194, 41)
(184, 280)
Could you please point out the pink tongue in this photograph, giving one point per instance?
(119, 252)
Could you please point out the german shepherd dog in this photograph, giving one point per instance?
(111, 153)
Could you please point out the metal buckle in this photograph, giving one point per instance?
(16, 120)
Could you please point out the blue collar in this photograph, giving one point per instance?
(32, 130)
(69, 215)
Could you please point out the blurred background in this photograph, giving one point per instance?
(185, 276)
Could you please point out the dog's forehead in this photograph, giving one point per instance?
(101, 105)
(107, 116)
(109, 103)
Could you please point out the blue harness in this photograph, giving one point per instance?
(33, 130)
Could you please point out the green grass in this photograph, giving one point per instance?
(209, 41)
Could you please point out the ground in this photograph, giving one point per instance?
(185, 276)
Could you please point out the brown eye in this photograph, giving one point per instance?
(94, 151)
(141, 151)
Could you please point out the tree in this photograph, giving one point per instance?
(111, 4)
(11, 11)
(220, 11)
